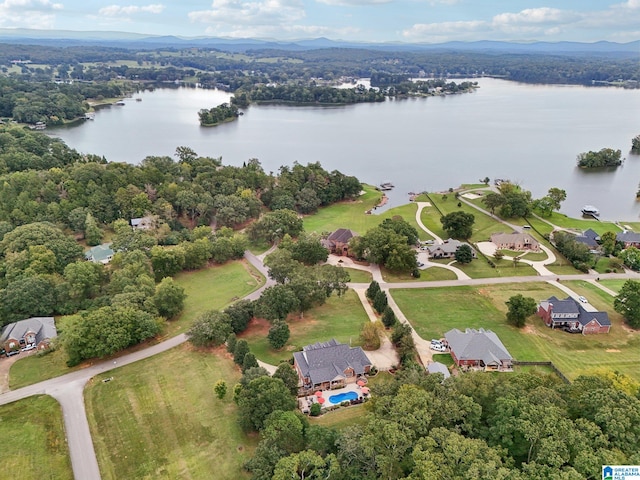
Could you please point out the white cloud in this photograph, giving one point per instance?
(128, 10)
(354, 3)
(534, 16)
(235, 17)
(28, 13)
(281, 32)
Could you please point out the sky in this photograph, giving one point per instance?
(428, 21)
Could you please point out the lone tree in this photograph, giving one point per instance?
(627, 303)
(220, 388)
(458, 224)
(278, 334)
(464, 254)
(520, 308)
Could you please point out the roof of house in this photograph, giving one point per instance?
(327, 361)
(342, 235)
(514, 238)
(590, 233)
(570, 305)
(143, 222)
(43, 327)
(449, 246)
(628, 237)
(588, 241)
(437, 367)
(478, 344)
(99, 253)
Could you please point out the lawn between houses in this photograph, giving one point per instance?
(209, 288)
(160, 419)
(340, 318)
(434, 311)
(34, 445)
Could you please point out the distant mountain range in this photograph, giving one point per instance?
(64, 38)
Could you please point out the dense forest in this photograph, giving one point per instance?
(51, 196)
(523, 426)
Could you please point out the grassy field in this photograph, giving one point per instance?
(614, 285)
(359, 276)
(339, 318)
(34, 445)
(342, 417)
(159, 418)
(432, 312)
(352, 215)
(213, 288)
(209, 288)
(434, 274)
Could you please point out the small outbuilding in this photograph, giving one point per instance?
(437, 367)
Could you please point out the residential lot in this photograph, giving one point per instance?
(159, 418)
(435, 311)
(34, 444)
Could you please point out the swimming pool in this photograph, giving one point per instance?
(341, 397)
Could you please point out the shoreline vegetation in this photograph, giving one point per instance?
(223, 113)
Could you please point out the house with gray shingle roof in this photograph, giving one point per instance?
(447, 249)
(590, 238)
(478, 349)
(630, 239)
(36, 331)
(570, 315)
(326, 365)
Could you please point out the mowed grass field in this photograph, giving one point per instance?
(213, 288)
(352, 215)
(160, 419)
(210, 288)
(432, 312)
(34, 445)
(340, 318)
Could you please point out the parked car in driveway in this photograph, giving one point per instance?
(583, 299)
(438, 348)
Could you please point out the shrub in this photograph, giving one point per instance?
(372, 291)
(388, 317)
(370, 336)
(380, 302)
(315, 409)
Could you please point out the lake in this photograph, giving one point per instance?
(530, 134)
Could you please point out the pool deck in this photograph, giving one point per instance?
(305, 402)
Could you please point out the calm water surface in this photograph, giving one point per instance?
(530, 134)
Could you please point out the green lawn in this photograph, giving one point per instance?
(359, 276)
(614, 285)
(480, 268)
(159, 418)
(210, 288)
(34, 446)
(352, 215)
(434, 274)
(342, 417)
(532, 256)
(339, 318)
(432, 312)
(581, 224)
(213, 288)
(483, 226)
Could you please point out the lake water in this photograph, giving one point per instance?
(530, 134)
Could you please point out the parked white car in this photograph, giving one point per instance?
(583, 299)
(438, 348)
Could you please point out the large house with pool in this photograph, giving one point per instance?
(327, 365)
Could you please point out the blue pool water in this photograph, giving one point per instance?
(341, 397)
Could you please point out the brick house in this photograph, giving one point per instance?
(447, 249)
(570, 315)
(478, 349)
(630, 239)
(36, 331)
(338, 242)
(326, 365)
